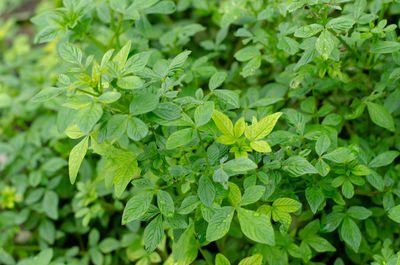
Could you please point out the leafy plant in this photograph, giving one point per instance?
(202, 132)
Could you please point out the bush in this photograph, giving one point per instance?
(200, 132)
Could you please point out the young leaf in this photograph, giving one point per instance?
(256, 226)
(286, 205)
(253, 260)
(76, 157)
(223, 123)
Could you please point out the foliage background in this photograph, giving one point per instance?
(321, 188)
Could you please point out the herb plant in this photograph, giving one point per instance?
(201, 132)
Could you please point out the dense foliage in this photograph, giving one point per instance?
(199, 132)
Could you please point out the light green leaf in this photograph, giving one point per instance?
(50, 204)
(109, 97)
(256, 226)
(325, 44)
(228, 97)
(383, 159)
(260, 146)
(223, 123)
(221, 260)
(252, 194)
(253, 260)
(298, 166)
(286, 205)
(203, 113)
(70, 53)
(121, 57)
(76, 157)
(240, 164)
(180, 138)
(216, 80)
(247, 53)
(394, 213)
(88, 117)
(136, 207)
(130, 82)
(380, 116)
(136, 129)
(220, 223)
(178, 61)
(308, 31)
(116, 126)
(385, 47)
(143, 102)
(48, 93)
(165, 203)
(340, 155)
(259, 130)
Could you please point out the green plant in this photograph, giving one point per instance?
(211, 132)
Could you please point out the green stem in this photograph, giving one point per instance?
(87, 92)
(95, 42)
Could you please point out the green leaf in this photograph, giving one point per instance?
(256, 226)
(340, 155)
(261, 146)
(50, 204)
(322, 144)
(153, 234)
(180, 138)
(189, 204)
(359, 212)
(76, 157)
(109, 244)
(130, 82)
(394, 213)
(253, 260)
(350, 233)
(44, 257)
(48, 93)
(252, 194)
(70, 53)
(314, 197)
(286, 205)
(216, 80)
(136, 129)
(308, 31)
(247, 53)
(206, 190)
(223, 123)
(331, 222)
(348, 189)
(220, 223)
(240, 164)
(137, 62)
(384, 159)
(228, 97)
(320, 244)
(168, 111)
(385, 47)
(298, 166)
(109, 97)
(221, 260)
(136, 207)
(178, 61)
(325, 44)
(289, 45)
(380, 116)
(116, 126)
(121, 57)
(87, 118)
(125, 169)
(165, 203)
(264, 127)
(203, 113)
(340, 24)
(143, 102)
